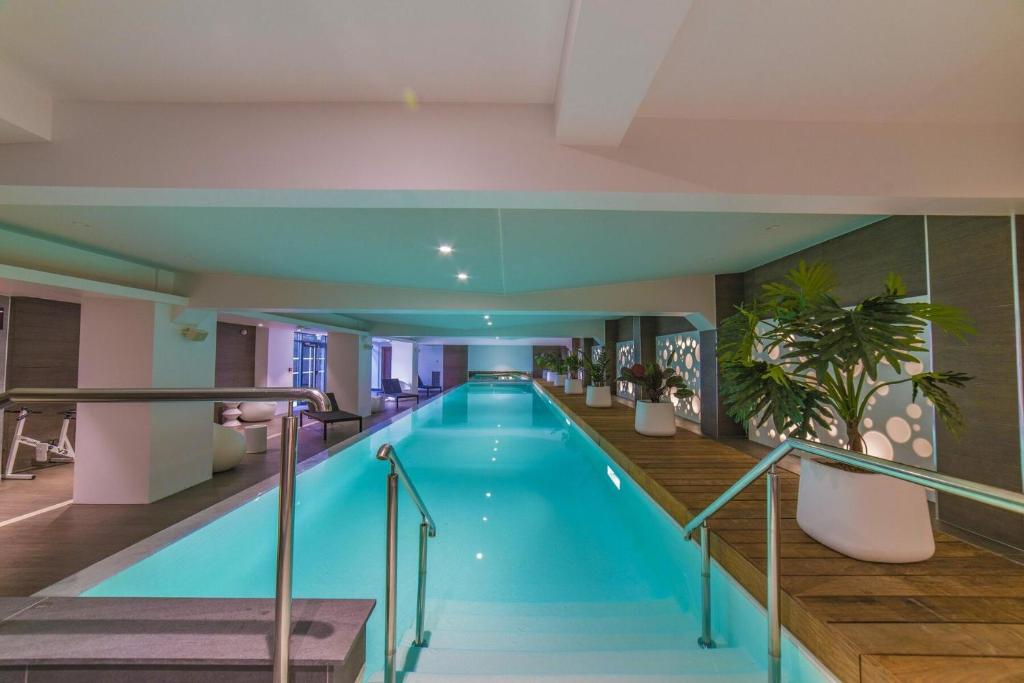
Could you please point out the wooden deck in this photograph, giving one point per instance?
(956, 617)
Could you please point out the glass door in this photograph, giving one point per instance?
(309, 362)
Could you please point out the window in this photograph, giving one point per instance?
(309, 360)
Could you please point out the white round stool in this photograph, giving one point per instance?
(256, 439)
(229, 418)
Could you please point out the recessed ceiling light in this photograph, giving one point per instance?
(445, 249)
(259, 324)
(489, 323)
(463, 276)
(487, 317)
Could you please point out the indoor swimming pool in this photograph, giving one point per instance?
(549, 560)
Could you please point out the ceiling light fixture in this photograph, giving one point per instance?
(445, 249)
(487, 317)
(489, 323)
(463, 276)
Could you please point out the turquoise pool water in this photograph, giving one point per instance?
(534, 522)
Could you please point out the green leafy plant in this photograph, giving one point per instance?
(543, 361)
(824, 357)
(573, 364)
(654, 381)
(597, 367)
(558, 364)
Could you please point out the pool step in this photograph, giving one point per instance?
(622, 642)
(435, 660)
(415, 677)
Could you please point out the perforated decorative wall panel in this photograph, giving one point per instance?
(682, 352)
(624, 358)
(894, 426)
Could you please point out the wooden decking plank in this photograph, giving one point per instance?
(866, 621)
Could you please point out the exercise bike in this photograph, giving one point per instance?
(59, 450)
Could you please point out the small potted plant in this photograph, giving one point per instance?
(797, 356)
(557, 369)
(653, 382)
(599, 394)
(573, 368)
(543, 363)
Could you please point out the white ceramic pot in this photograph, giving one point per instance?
(549, 376)
(573, 386)
(655, 419)
(557, 379)
(599, 397)
(868, 517)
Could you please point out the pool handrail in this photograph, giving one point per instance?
(1004, 499)
(427, 530)
(289, 448)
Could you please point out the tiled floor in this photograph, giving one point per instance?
(41, 550)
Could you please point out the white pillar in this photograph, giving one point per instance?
(404, 362)
(348, 371)
(135, 452)
(275, 353)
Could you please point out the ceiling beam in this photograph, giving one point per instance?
(612, 51)
(26, 108)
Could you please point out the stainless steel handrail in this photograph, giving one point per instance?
(289, 440)
(1012, 501)
(427, 529)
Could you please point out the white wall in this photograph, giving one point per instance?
(431, 360)
(403, 362)
(139, 453)
(498, 358)
(275, 352)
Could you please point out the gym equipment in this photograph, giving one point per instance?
(59, 450)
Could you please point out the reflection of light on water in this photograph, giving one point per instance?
(615, 479)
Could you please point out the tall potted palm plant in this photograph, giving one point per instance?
(599, 394)
(653, 382)
(573, 367)
(796, 356)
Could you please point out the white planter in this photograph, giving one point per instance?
(655, 419)
(557, 379)
(549, 376)
(573, 386)
(868, 517)
(599, 397)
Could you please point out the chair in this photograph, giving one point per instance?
(329, 417)
(424, 387)
(393, 390)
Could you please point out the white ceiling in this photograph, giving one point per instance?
(783, 60)
(507, 251)
(294, 51)
(865, 60)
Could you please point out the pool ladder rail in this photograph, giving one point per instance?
(289, 443)
(1012, 501)
(427, 530)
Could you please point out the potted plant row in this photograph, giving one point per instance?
(795, 355)
(655, 417)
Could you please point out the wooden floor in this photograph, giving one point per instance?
(41, 550)
(956, 617)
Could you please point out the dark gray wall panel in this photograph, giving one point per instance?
(971, 263)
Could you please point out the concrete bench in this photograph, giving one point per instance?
(176, 640)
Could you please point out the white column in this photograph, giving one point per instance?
(275, 353)
(348, 371)
(139, 453)
(404, 362)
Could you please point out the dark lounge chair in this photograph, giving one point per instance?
(393, 390)
(328, 417)
(424, 387)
